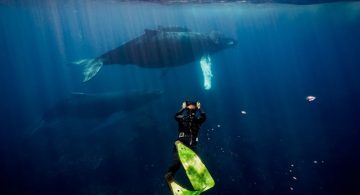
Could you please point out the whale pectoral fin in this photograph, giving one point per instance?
(205, 63)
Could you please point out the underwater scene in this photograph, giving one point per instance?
(235, 97)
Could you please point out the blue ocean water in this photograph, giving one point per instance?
(284, 144)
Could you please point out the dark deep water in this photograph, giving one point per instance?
(282, 145)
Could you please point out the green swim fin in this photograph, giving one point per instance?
(196, 171)
(179, 190)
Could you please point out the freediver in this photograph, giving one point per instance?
(190, 118)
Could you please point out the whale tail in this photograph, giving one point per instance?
(90, 67)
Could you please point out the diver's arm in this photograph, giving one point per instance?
(178, 115)
(202, 116)
(180, 112)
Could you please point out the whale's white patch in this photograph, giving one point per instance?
(205, 64)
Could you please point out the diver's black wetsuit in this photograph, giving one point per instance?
(189, 125)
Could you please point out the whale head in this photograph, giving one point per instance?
(220, 41)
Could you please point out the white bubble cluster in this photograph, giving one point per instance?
(310, 98)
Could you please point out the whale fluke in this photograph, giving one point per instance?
(90, 67)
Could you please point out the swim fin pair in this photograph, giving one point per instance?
(196, 171)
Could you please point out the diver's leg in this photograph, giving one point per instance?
(176, 164)
(173, 168)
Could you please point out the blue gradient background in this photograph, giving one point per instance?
(285, 53)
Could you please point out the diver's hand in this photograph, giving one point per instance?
(198, 105)
(183, 106)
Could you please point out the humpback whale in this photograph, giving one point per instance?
(82, 105)
(98, 109)
(159, 48)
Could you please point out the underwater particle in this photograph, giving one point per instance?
(322, 161)
(290, 171)
(243, 112)
(310, 98)
(295, 178)
(291, 188)
(315, 161)
(292, 165)
(218, 126)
